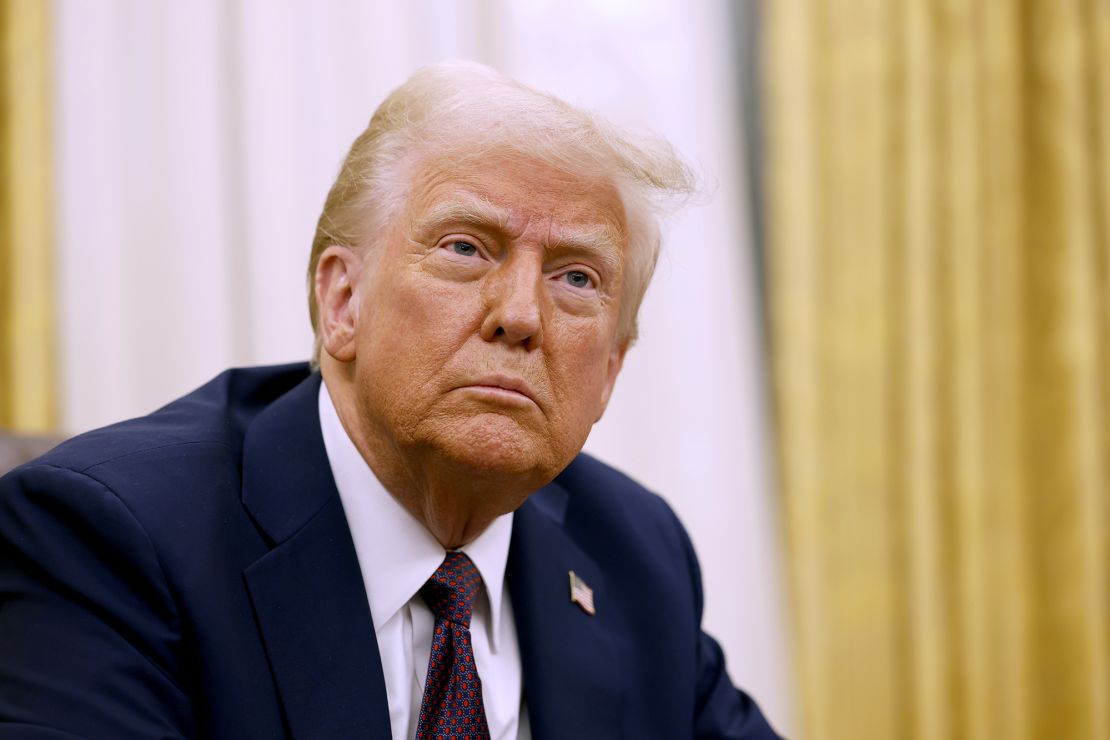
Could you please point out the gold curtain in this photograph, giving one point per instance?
(939, 281)
(27, 340)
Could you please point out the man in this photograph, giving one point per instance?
(406, 542)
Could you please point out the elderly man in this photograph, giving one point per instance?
(408, 542)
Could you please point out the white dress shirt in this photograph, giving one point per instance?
(397, 555)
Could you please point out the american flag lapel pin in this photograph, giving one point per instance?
(581, 594)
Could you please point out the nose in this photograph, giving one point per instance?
(514, 304)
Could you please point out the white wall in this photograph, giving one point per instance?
(198, 138)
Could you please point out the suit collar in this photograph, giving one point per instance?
(307, 591)
(286, 475)
(571, 678)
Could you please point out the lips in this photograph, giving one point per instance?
(504, 383)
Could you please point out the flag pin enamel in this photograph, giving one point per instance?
(581, 594)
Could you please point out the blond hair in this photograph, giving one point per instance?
(468, 108)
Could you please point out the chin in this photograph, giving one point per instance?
(496, 446)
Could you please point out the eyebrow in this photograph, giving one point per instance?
(477, 212)
(601, 241)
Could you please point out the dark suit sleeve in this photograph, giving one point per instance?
(722, 712)
(90, 638)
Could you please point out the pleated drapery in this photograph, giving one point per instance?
(939, 286)
(27, 332)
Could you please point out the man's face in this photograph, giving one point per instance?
(487, 316)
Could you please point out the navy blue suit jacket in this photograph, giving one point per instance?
(191, 574)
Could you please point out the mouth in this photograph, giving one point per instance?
(503, 387)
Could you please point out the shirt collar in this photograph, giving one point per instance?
(396, 553)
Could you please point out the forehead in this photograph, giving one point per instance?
(519, 192)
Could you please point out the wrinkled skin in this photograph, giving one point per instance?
(472, 343)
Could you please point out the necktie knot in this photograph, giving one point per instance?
(450, 591)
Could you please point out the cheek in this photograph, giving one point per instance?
(582, 373)
(406, 336)
(425, 318)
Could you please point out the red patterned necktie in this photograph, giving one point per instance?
(452, 707)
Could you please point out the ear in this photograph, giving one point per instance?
(616, 362)
(337, 301)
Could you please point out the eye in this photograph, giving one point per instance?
(578, 279)
(465, 249)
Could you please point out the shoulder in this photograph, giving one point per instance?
(158, 466)
(619, 520)
(600, 492)
(206, 424)
(215, 414)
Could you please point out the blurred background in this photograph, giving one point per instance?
(872, 377)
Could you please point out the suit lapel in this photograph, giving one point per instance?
(571, 676)
(307, 591)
